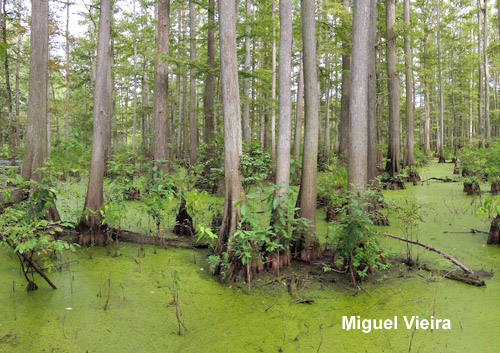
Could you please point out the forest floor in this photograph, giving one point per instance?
(137, 288)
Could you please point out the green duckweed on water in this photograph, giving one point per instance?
(224, 318)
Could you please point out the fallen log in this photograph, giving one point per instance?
(444, 180)
(473, 280)
(472, 231)
(133, 237)
(431, 248)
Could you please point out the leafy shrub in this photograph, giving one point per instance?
(481, 162)
(420, 158)
(332, 183)
(354, 239)
(28, 234)
(256, 165)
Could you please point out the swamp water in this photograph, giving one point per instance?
(224, 318)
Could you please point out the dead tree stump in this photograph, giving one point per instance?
(494, 234)
(183, 221)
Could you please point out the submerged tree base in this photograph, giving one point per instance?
(183, 221)
(472, 188)
(495, 187)
(393, 184)
(413, 177)
(494, 234)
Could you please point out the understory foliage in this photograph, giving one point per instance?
(354, 240)
(26, 232)
(256, 244)
(481, 163)
(209, 173)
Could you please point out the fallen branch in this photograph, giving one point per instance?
(472, 231)
(445, 180)
(138, 238)
(430, 248)
(133, 237)
(31, 263)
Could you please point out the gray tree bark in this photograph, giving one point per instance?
(35, 152)
(67, 108)
(299, 113)
(273, 87)
(441, 98)
(134, 119)
(359, 99)
(232, 123)
(410, 125)
(285, 103)
(487, 126)
(307, 245)
(344, 98)
(372, 95)
(246, 81)
(208, 99)
(393, 153)
(161, 150)
(193, 126)
(102, 116)
(479, 72)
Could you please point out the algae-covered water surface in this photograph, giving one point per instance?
(136, 291)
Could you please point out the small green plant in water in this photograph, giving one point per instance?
(409, 213)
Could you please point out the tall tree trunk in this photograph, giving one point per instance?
(285, 103)
(161, 150)
(114, 118)
(344, 98)
(372, 94)
(441, 89)
(145, 112)
(487, 127)
(299, 113)
(92, 219)
(307, 245)
(66, 108)
(410, 128)
(208, 99)
(11, 123)
(17, 131)
(393, 153)
(134, 119)
(471, 85)
(234, 193)
(35, 152)
(246, 81)
(273, 86)
(185, 120)
(178, 144)
(193, 128)
(327, 108)
(359, 100)
(284, 128)
(480, 75)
